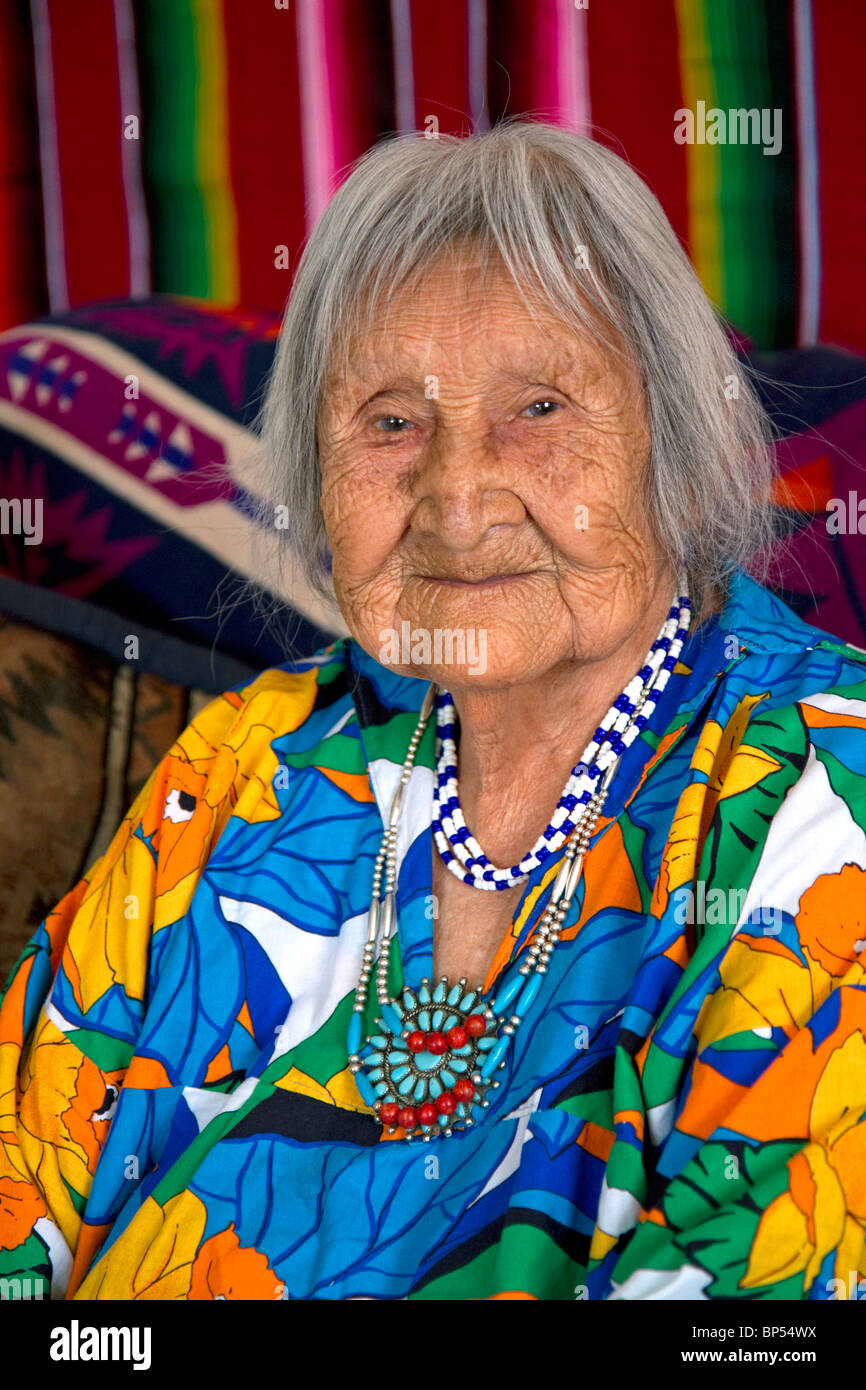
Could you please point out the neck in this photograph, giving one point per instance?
(518, 744)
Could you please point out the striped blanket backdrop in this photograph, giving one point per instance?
(175, 146)
(160, 164)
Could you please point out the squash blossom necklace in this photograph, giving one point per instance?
(429, 1066)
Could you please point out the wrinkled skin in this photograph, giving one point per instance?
(522, 457)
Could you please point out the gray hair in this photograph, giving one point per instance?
(580, 232)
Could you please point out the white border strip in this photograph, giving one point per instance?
(404, 65)
(52, 197)
(317, 130)
(477, 63)
(138, 228)
(573, 68)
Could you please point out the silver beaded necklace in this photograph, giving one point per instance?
(432, 1061)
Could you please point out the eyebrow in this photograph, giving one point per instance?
(408, 385)
(397, 383)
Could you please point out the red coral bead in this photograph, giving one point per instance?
(436, 1043)
(476, 1025)
(428, 1114)
(408, 1118)
(389, 1114)
(456, 1037)
(417, 1042)
(464, 1090)
(446, 1104)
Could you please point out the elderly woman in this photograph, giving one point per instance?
(513, 945)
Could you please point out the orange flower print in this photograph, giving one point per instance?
(63, 1120)
(20, 1208)
(824, 1207)
(223, 1268)
(832, 918)
(181, 822)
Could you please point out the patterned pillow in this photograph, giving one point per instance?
(115, 419)
(816, 398)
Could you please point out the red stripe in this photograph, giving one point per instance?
(440, 46)
(264, 131)
(635, 88)
(89, 132)
(517, 54)
(23, 292)
(840, 43)
(359, 61)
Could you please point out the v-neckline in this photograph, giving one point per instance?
(506, 935)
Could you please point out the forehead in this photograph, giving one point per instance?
(462, 310)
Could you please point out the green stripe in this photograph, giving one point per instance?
(755, 190)
(525, 1259)
(169, 76)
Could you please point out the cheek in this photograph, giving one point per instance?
(587, 483)
(586, 496)
(364, 512)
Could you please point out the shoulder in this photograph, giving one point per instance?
(224, 763)
(773, 660)
(277, 701)
(775, 733)
(782, 757)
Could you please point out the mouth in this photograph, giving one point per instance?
(492, 582)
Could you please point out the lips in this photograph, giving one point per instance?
(487, 582)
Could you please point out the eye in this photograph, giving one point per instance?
(538, 409)
(392, 424)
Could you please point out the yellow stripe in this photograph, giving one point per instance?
(212, 152)
(702, 161)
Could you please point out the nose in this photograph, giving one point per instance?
(463, 487)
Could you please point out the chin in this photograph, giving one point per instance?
(485, 675)
(494, 678)
(473, 653)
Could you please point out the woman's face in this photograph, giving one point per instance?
(480, 477)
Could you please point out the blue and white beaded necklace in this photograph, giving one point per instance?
(429, 1067)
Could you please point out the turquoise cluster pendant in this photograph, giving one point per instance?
(429, 1067)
